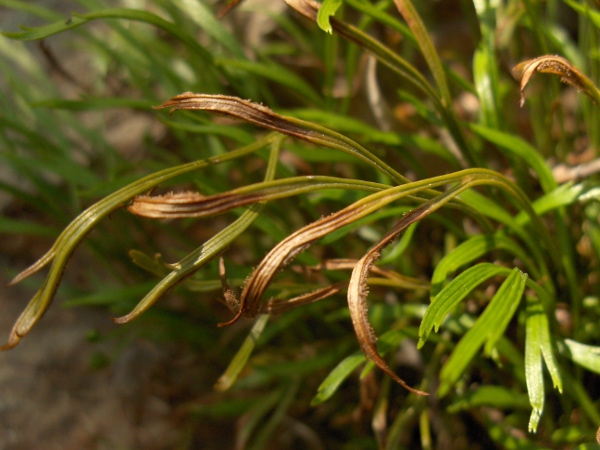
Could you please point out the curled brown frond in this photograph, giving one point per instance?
(555, 65)
(284, 252)
(193, 204)
(358, 292)
(251, 112)
(262, 116)
(171, 205)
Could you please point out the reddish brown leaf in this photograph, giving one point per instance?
(555, 65)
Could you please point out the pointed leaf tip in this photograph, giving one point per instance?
(327, 10)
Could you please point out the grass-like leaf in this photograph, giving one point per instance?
(70, 238)
(203, 16)
(327, 9)
(427, 48)
(486, 331)
(445, 301)
(275, 73)
(492, 396)
(33, 34)
(538, 346)
(373, 171)
(587, 356)
(240, 359)
(330, 385)
(485, 66)
(471, 250)
(209, 250)
(515, 145)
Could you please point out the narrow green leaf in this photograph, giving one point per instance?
(564, 195)
(239, 135)
(387, 342)
(96, 103)
(585, 10)
(240, 359)
(393, 252)
(493, 396)
(444, 302)
(510, 292)
(30, 8)
(485, 65)
(275, 73)
(72, 235)
(377, 11)
(348, 125)
(202, 15)
(23, 227)
(209, 249)
(327, 10)
(427, 48)
(473, 249)
(334, 380)
(489, 208)
(33, 34)
(537, 346)
(587, 356)
(486, 330)
(519, 147)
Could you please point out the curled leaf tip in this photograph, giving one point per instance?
(232, 321)
(13, 340)
(555, 65)
(230, 299)
(35, 267)
(121, 320)
(358, 292)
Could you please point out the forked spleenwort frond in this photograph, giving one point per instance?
(523, 235)
(251, 300)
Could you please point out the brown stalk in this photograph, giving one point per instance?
(278, 306)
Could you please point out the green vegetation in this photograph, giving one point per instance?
(379, 179)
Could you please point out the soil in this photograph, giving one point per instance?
(52, 397)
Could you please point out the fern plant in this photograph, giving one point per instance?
(473, 231)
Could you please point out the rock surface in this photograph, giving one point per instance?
(51, 397)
